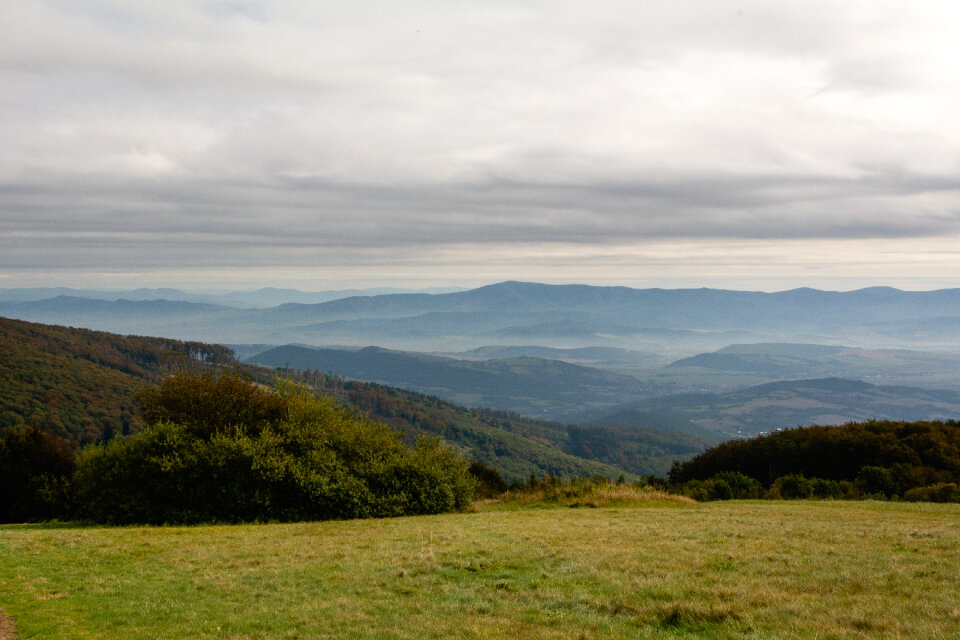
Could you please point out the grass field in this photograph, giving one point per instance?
(669, 570)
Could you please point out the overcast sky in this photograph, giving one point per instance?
(326, 145)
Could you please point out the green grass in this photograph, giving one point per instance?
(718, 570)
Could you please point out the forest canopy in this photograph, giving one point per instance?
(878, 457)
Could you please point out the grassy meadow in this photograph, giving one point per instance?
(661, 569)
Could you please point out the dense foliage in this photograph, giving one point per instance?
(286, 456)
(81, 384)
(878, 458)
(35, 472)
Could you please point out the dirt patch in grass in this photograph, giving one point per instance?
(6, 627)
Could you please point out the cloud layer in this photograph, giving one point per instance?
(347, 143)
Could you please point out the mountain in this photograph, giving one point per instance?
(259, 298)
(526, 385)
(639, 419)
(592, 355)
(755, 363)
(674, 323)
(780, 405)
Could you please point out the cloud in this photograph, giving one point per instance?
(207, 135)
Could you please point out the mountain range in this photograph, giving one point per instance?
(671, 323)
(627, 358)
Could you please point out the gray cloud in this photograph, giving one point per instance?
(203, 136)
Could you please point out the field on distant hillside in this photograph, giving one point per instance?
(718, 570)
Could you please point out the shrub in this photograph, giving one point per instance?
(742, 486)
(718, 489)
(211, 401)
(940, 492)
(727, 485)
(874, 481)
(489, 481)
(793, 487)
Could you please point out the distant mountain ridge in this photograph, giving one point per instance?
(255, 298)
(787, 404)
(751, 364)
(526, 385)
(680, 321)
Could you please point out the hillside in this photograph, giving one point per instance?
(765, 362)
(915, 454)
(81, 385)
(515, 445)
(780, 405)
(526, 385)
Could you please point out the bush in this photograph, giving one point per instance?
(874, 481)
(727, 485)
(742, 486)
(831, 489)
(208, 402)
(793, 487)
(302, 459)
(489, 481)
(35, 471)
(940, 492)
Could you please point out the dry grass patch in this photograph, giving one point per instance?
(586, 494)
(6, 627)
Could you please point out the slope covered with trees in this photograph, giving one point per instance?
(892, 457)
(514, 445)
(81, 384)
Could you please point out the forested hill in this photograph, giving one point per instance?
(909, 454)
(515, 445)
(81, 384)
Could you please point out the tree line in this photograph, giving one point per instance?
(879, 458)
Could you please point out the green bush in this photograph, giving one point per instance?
(317, 460)
(489, 481)
(211, 401)
(874, 481)
(741, 485)
(793, 487)
(832, 489)
(727, 485)
(940, 492)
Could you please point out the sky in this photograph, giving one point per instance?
(330, 145)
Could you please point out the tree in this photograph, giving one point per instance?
(209, 402)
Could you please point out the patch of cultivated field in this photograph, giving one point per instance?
(719, 570)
